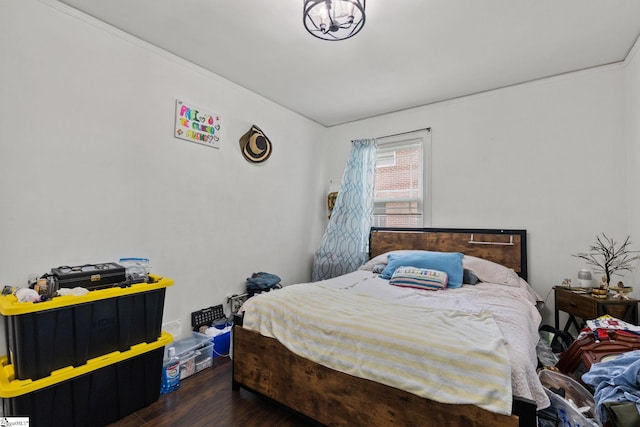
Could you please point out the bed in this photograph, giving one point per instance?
(357, 350)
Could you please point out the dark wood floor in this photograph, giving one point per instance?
(206, 399)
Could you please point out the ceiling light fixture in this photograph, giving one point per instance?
(334, 19)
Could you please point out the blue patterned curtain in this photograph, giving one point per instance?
(343, 247)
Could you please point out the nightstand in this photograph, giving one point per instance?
(588, 307)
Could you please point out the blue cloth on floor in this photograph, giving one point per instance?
(615, 380)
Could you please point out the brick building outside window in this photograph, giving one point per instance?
(399, 189)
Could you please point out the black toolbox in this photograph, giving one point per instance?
(90, 276)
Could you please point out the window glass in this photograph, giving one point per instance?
(400, 190)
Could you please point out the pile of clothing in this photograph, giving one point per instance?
(617, 388)
(616, 379)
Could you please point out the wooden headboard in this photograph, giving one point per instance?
(506, 247)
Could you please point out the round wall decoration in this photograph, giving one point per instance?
(255, 145)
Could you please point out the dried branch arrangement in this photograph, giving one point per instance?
(608, 258)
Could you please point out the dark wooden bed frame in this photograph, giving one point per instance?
(264, 366)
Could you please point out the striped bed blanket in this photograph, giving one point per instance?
(443, 355)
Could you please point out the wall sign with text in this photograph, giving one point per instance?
(197, 125)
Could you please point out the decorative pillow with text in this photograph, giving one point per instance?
(419, 278)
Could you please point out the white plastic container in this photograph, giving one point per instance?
(136, 269)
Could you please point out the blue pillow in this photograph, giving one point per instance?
(449, 262)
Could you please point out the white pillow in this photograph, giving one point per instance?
(491, 272)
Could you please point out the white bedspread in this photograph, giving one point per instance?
(341, 323)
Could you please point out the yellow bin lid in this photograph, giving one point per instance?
(10, 387)
(10, 306)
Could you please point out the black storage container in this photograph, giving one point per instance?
(69, 330)
(98, 393)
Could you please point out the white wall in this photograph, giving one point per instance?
(632, 128)
(547, 156)
(90, 171)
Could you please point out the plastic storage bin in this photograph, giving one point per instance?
(69, 330)
(195, 353)
(576, 408)
(562, 413)
(100, 392)
(205, 358)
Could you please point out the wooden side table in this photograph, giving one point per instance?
(588, 307)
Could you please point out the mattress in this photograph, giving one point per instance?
(474, 344)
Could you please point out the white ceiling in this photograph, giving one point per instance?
(409, 53)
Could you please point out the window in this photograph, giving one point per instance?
(400, 174)
(386, 159)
